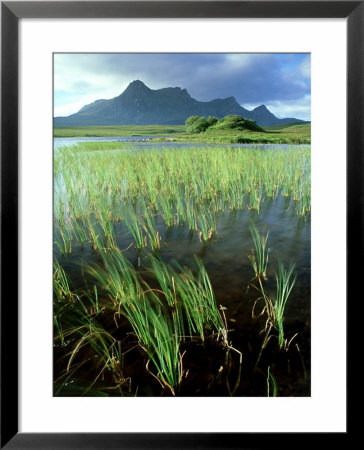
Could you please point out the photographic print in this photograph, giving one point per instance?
(182, 225)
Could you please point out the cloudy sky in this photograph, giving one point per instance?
(282, 82)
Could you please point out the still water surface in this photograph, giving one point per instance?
(147, 142)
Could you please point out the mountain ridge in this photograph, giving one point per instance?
(140, 105)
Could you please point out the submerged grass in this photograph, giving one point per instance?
(275, 306)
(260, 254)
(181, 306)
(88, 341)
(76, 321)
(163, 306)
(284, 285)
(157, 336)
(184, 186)
(272, 387)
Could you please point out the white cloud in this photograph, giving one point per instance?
(305, 67)
(238, 60)
(298, 109)
(71, 108)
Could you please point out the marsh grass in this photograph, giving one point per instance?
(162, 306)
(89, 342)
(184, 186)
(275, 306)
(260, 253)
(157, 337)
(63, 237)
(62, 295)
(132, 221)
(182, 306)
(206, 224)
(61, 285)
(76, 321)
(272, 387)
(284, 285)
(117, 130)
(198, 301)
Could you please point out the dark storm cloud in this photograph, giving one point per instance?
(251, 78)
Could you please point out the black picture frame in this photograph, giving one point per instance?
(11, 12)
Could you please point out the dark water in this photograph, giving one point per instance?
(230, 272)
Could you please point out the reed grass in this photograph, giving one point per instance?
(190, 298)
(260, 253)
(272, 387)
(184, 186)
(156, 335)
(82, 328)
(284, 285)
(182, 306)
(76, 323)
(275, 306)
(61, 286)
(144, 311)
(146, 191)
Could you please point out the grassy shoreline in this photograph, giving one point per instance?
(291, 134)
(120, 130)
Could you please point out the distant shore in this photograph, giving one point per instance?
(294, 133)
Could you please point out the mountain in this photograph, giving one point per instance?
(140, 105)
(263, 116)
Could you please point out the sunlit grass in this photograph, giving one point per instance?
(162, 305)
(260, 253)
(184, 186)
(181, 307)
(284, 285)
(275, 306)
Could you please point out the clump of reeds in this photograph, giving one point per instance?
(157, 337)
(76, 321)
(61, 287)
(206, 224)
(275, 307)
(260, 253)
(63, 297)
(182, 306)
(135, 227)
(147, 316)
(190, 298)
(81, 328)
(284, 285)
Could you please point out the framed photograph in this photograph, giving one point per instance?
(181, 191)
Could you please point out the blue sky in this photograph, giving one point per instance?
(282, 82)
